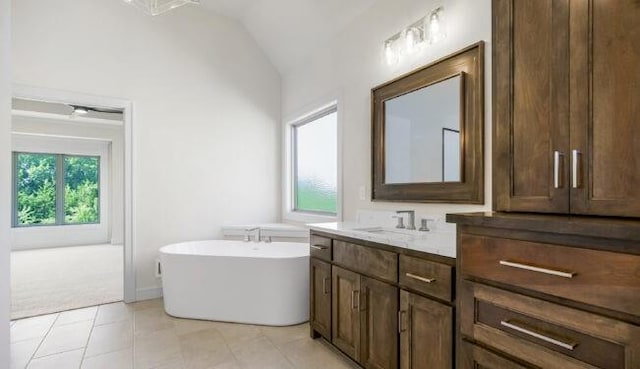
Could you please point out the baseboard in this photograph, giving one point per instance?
(148, 293)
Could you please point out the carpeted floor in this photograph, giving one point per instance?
(51, 280)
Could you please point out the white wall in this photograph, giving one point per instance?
(206, 110)
(111, 228)
(5, 174)
(352, 63)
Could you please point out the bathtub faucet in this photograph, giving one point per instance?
(247, 236)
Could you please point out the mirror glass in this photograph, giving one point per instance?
(422, 134)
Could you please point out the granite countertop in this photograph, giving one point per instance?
(437, 243)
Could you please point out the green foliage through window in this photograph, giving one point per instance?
(44, 196)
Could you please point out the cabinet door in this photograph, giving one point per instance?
(426, 333)
(320, 304)
(605, 107)
(345, 311)
(378, 326)
(531, 105)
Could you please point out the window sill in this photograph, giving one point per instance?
(302, 217)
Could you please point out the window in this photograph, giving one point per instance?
(315, 163)
(54, 189)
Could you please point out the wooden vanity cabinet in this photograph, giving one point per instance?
(552, 156)
(374, 289)
(547, 291)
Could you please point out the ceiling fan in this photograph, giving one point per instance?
(82, 110)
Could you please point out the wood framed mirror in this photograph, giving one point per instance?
(428, 132)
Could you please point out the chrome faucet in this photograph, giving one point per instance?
(247, 236)
(411, 221)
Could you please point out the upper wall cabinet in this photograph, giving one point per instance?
(427, 132)
(566, 98)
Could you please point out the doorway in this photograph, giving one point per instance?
(71, 208)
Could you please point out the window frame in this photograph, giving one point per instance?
(291, 211)
(60, 189)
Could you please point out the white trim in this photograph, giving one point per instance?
(148, 293)
(65, 118)
(287, 192)
(60, 96)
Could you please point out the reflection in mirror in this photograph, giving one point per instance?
(422, 134)
(450, 155)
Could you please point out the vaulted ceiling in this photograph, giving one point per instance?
(288, 30)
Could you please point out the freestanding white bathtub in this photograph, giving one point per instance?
(235, 281)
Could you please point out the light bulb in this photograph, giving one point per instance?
(436, 27)
(411, 39)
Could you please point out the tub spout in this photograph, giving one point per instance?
(247, 236)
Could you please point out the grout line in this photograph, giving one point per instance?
(43, 338)
(93, 325)
(235, 358)
(293, 365)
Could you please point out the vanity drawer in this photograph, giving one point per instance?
(320, 247)
(475, 357)
(366, 260)
(545, 334)
(601, 278)
(428, 277)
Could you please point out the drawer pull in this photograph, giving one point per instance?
(515, 327)
(319, 247)
(419, 278)
(538, 269)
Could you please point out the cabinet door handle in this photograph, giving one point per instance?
(319, 247)
(355, 299)
(419, 278)
(324, 285)
(532, 333)
(401, 313)
(538, 269)
(558, 169)
(576, 169)
(400, 320)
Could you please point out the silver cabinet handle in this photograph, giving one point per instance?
(400, 314)
(538, 269)
(515, 327)
(419, 278)
(355, 296)
(324, 285)
(319, 247)
(576, 169)
(558, 163)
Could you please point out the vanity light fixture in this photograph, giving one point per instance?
(157, 7)
(425, 31)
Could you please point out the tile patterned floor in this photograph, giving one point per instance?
(141, 336)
